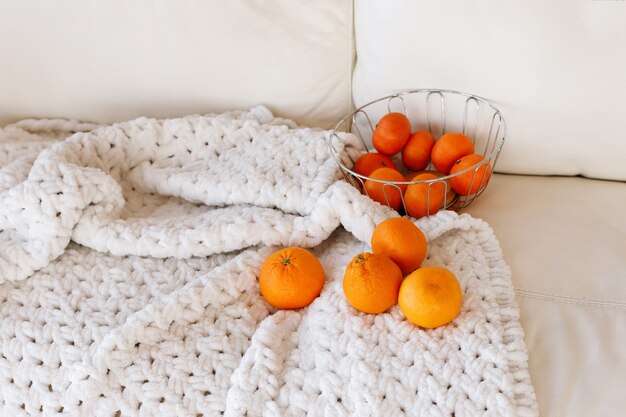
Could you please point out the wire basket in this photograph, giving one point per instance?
(439, 112)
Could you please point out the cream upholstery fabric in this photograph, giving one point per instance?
(555, 69)
(116, 60)
(564, 239)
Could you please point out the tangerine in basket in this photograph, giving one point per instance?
(291, 278)
(371, 161)
(391, 133)
(386, 192)
(472, 181)
(430, 297)
(416, 152)
(426, 198)
(401, 240)
(371, 283)
(450, 194)
(448, 149)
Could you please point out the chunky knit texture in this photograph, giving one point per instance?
(129, 257)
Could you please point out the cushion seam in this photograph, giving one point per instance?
(351, 57)
(571, 300)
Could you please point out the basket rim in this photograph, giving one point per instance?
(428, 91)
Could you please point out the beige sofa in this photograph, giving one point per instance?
(556, 70)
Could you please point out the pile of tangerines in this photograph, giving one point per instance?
(451, 155)
(428, 296)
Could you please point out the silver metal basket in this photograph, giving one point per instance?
(439, 112)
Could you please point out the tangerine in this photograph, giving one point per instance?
(430, 296)
(450, 194)
(291, 278)
(448, 149)
(371, 161)
(371, 283)
(424, 198)
(401, 240)
(384, 190)
(391, 133)
(416, 152)
(474, 180)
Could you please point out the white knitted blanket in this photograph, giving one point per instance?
(129, 257)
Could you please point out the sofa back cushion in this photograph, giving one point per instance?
(115, 60)
(556, 70)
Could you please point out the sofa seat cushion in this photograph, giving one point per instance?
(565, 241)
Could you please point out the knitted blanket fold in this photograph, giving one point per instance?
(129, 256)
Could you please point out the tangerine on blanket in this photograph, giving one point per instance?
(371, 283)
(430, 296)
(291, 278)
(401, 240)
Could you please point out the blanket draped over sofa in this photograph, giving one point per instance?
(129, 256)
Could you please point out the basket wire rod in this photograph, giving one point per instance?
(444, 204)
(348, 178)
(397, 187)
(362, 185)
(486, 177)
(493, 165)
(346, 156)
(468, 199)
(497, 155)
(497, 133)
(465, 116)
(362, 188)
(402, 200)
(430, 184)
(332, 142)
(482, 189)
(355, 124)
(481, 185)
(398, 97)
(443, 111)
(445, 194)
